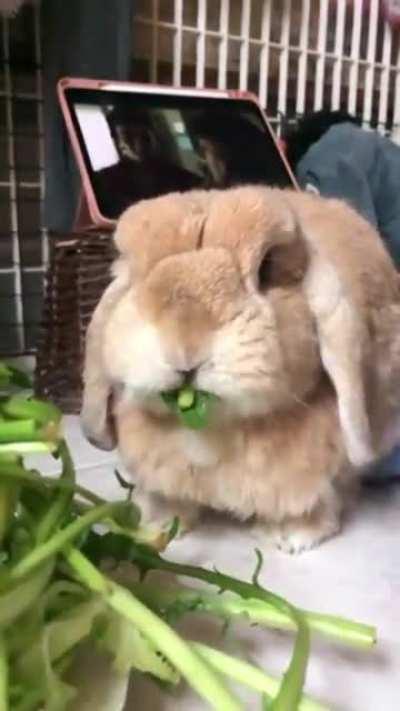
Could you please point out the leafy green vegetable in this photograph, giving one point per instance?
(20, 598)
(249, 675)
(55, 595)
(186, 398)
(4, 675)
(11, 376)
(174, 601)
(192, 407)
(132, 650)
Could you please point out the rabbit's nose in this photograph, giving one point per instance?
(187, 375)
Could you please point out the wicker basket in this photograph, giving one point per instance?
(77, 275)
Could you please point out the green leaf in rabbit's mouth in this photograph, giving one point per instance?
(192, 407)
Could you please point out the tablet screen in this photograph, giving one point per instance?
(140, 145)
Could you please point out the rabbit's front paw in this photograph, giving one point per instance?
(295, 536)
(159, 512)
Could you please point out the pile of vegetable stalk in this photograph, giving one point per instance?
(57, 541)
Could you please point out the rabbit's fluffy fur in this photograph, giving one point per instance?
(286, 306)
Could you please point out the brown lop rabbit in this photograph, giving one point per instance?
(286, 307)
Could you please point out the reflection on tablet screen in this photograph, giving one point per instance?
(142, 146)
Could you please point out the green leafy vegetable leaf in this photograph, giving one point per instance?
(12, 376)
(128, 485)
(192, 407)
(258, 568)
(130, 650)
(55, 599)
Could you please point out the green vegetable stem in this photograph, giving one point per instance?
(189, 663)
(174, 601)
(4, 675)
(193, 408)
(57, 539)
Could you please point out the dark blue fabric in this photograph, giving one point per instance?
(81, 38)
(363, 168)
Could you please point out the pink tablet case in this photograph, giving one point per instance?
(89, 215)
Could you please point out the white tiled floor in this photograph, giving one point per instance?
(355, 575)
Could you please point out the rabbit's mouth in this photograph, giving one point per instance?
(193, 408)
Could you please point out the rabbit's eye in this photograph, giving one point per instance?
(282, 266)
(265, 272)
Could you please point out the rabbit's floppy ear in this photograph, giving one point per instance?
(343, 342)
(96, 415)
(349, 276)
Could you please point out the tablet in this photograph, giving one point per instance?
(133, 142)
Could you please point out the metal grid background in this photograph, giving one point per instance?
(296, 55)
(23, 241)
